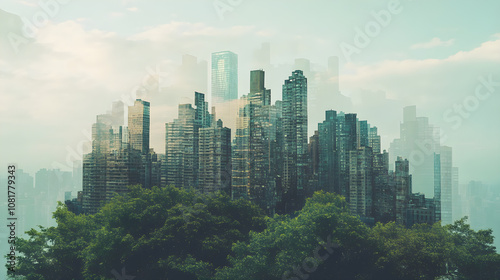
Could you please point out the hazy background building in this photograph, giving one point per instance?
(224, 76)
(430, 163)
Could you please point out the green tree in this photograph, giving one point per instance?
(322, 240)
(156, 233)
(171, 233)
(421, 252)
(474, 256)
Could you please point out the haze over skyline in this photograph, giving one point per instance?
(89, 54)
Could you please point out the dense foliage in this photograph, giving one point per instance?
(169, 233)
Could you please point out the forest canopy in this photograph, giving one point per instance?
(172, 233)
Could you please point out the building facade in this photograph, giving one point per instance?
(295, 148)
(224, 76)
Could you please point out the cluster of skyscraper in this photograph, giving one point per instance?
(120, 156)
(270, 160)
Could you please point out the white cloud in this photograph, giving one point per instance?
(27, 3)
(186, 29)
(116, 14)
(133, 9)
(434, 85)
(433, 43)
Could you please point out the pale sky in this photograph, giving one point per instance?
(57, 75)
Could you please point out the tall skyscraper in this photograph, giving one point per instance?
(295, 154)
(374, 140)
(313, 170)
(346, 142)
(383, 188)
(138, 125)
(361, 182)
(403, 187)
(457, 207)
(255, 144)
(430, 163)
(201, 112)
(241, 152)
(418, 142)
(328, 157)
(215, 158)
(181, 145)
(446, 185)
(181, 167)
(113, 163)
(224, 76)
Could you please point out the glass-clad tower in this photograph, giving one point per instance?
(224, 76)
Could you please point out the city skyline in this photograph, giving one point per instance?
(48, 78)
(391, 104)
(271, 162)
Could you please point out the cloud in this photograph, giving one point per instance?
(68, 75)
(433, 43)
(133, 9)
(116, 14)
(27, 3)
(425, 75)
(177, 29)
(434, 85)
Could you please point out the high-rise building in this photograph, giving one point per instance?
(430, 163)
(362, 134)
(403, 189)
(224, 76)
(418, 143)
(114, 163)
(181, 167)
(255, 146)
(361, 182)
(241, 152)
(215, 158)
(295, 155)
(457, 206)
(181, 141)
(383, 188)
(446, 185)
(313, 170)
(374, 140)
(346, 142)
(138, 125)
(328, 156)
(201, 112)
(437, 185)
